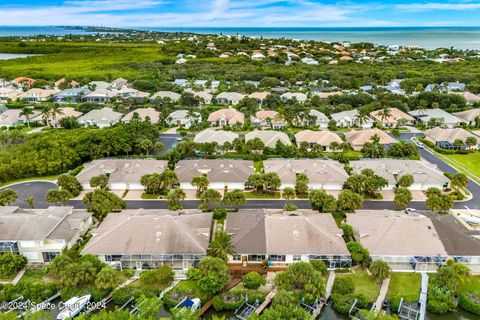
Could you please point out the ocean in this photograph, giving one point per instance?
(427, 37)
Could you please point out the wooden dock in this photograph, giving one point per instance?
(267, 300)
(423, 296)
(328, 291)
(209, 303)
(382, 295)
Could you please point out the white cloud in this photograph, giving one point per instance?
(432, 6)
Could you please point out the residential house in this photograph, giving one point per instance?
(357, 139)
(226, 117)
(101, 118)
(322, 138)
(425, 175)
(394, 119)
(130, 93)
(222, 174)
(470, 117)
(322, 174)
(123, 174)
(446, 138)
(313, 118)
(173, 96)
(41, 234)
(440, 116)
(7, 94)
(181, 82)
(326, 95)
(99, 85)
(282, 238)
(470, 97)
(268, 119)
(73, 95)
(350, 118)
(268, 137)
(37, 95)
(218, 136)
(298, 96)
(259, 97)
(62, 81)
(183, 118)
(12, 117)
(203, 96)
(55, 121)
(232, 98)
(119, 83)
(100, 96)
(143, 114)
(399, 247)
(147, 239)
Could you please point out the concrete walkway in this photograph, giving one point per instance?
(423, 296)
(382, 295)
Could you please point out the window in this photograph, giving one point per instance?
(276, 257)
(297, 257)
(113, 257)
(256, 257)
(8, 247)
(49, 256)
(237, 257)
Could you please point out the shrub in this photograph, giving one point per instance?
(320, 266)
(165, 274)
(233, 299)
(194, 274)
(343, 285)
(342, 303)
(219, 213)
(10, 263)
(253, 280)
(470, 301)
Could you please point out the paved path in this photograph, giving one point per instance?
(16, 279)
(267, 300)
(383, 294)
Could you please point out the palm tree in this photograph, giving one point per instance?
(30, 200)
(175, 198)
(56, 110)
(362, 117)
(27, 112)
(384, 114)
(288, 194)
(169, 178)
(7, 196)
(201, 182)
(222, 246)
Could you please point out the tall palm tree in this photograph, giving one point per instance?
(169, 178)
(222, 246)
(384, 114)
(362, 117)
(27, 112)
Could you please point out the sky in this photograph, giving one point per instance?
(240, 13)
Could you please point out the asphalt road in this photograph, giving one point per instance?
(37, 189)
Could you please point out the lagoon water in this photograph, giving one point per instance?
(10, 56)
(427, 37)
(430, 38)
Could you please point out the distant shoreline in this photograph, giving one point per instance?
(465, 38)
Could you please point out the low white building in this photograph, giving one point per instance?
(222, 174)
(440, 116)
(300, 97)
(314, 118)
(425, 175)
(101, 118)
(350, 118)
(282, 238)
(326, 175)
(41, 234)
(183, 118)
(218, 136)
(269, 137)
(123, 174)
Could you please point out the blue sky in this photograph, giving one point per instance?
(241, 13)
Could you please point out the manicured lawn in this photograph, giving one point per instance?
(364, 284)
(45, 178)
(146, 196)
(251, 195)
(470, 161)
(405, 285)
